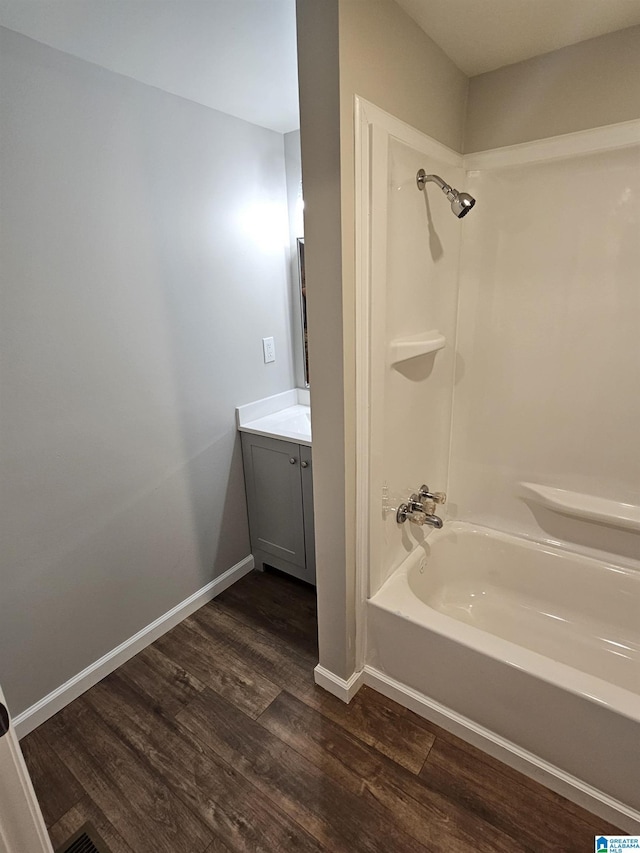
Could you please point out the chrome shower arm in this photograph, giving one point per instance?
(422, 178)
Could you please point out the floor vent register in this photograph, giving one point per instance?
(85, 840)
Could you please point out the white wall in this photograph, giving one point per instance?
(548, 346)
(143, 259)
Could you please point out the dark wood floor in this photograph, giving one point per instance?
(216, 739)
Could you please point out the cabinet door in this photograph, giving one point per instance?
(307, 502)
(274, 497)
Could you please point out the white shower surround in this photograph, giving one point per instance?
(377, 132)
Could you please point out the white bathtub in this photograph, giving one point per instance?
(537, 646)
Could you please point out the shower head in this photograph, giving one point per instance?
(461, 203)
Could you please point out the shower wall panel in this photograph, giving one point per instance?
(418, 297)
(547, 386)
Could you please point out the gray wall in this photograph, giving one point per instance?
(372, 49)
(293, 167)
(140, 270)
(594, 83)
(388, 59)
(319, 81)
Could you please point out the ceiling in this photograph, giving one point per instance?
(239, 56)
(481, 35)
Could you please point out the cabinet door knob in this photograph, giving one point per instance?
(293, 460)
(304, 464)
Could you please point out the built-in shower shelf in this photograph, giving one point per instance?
(577, 505)
(402, 349)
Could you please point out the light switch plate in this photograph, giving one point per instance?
(269, 350)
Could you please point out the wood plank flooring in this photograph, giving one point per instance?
(215, 739)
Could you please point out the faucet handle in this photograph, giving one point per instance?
(411, 511)
(425, 494)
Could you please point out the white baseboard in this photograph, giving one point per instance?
(343, 689)
(530, 765)
(34, 716)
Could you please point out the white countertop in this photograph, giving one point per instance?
(286, 416)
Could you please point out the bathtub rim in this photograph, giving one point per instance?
(396, 596)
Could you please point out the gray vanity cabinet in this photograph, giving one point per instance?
(279, 487)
